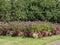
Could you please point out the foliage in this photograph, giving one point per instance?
(30, 10)
(15, 33)
(39, 26)
(14, 26)
(35, 35)
(29, 29)
(5, 31)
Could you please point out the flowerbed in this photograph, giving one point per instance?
(35, 29)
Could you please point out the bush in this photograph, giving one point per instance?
(55, 31)
(40, 34)
(27, 33)
(39, 26)
(29, 29)
(0, 31)
(30, 10)
(44, 33)
(1, 26)
(5, 31)
(14, 26)
(38, 29)
(15, 33)
(35, 35)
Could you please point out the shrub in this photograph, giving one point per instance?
(30, 10)
(29, 29)
(14, 26)
(27, 33)
(5, 31)
(1, 31)
(39, 26)
(40, 34)
(15, 33)
(55, 31)
(1, 26)
(44, 33)
(50, 34)
(35, 35)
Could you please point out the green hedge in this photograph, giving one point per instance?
(32, 10)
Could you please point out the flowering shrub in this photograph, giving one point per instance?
(1, 31)
(15, 33)
(27, 33)
(35, 35)
(5, 31)
(55, 31)
(29, 29)
(39, 26)
(44, 32)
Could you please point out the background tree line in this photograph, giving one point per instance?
(30, 10)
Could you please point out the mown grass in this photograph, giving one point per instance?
(8, 40)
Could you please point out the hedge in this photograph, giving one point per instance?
(30, 10)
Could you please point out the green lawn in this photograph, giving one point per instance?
(7, 40)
